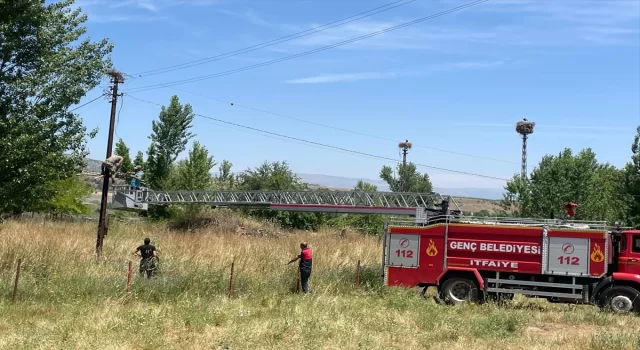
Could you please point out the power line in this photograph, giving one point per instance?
(327, 145)
(324, 48)
(333, 127)
(234, 104)
(118, 117)
(274, 137)
(276, 41)
(95, 99)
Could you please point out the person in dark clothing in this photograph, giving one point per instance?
(305, 265)
(148, 255)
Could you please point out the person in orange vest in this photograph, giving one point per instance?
(305, 265)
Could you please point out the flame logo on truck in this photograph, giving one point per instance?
(596, 254)
(431, 249)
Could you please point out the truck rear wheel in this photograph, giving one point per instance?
(621, 299)
(458, 289)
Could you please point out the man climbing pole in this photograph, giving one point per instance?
(305, 265)
(149, 257)
(112, 164)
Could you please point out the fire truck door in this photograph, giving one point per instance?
(630, 258)
(403, 250)
(568, 255)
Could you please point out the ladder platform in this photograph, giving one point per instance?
(356, 202)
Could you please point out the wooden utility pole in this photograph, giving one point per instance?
(103, 225)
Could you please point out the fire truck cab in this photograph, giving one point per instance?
(480, 259)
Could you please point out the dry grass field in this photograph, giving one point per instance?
(475, 205)
(68, 300)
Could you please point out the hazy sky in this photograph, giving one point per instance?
(457, 83)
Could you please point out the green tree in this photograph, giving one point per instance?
(46, 66)
(225, 178)
(68, 197)
(123, 151)
(139, 160)
(409, 179)
(365, 187)
(270, 176)
(483, 213)
(366, 223)
(517, 197)
(631, 184)
(568, 178)
(169, 137)
(193, 173)
(278, 176)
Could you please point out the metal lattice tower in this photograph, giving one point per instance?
(524, 128)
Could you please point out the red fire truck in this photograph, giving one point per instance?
(474, 259)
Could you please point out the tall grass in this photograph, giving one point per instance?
(69, 300)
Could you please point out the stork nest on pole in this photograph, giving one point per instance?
(115, 75)
(405, 144)
(525, 128)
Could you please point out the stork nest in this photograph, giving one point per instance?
(405, 144)
(115, 74)
(525, 127)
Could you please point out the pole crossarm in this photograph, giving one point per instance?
(303, 200)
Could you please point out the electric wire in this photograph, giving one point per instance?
(118, 118)
(235, 104)
(95, 99)
(305, 53)
(327, 145)
(328, 126)
(276, 41)
(275, 137)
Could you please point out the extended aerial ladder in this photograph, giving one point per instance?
(419, 205)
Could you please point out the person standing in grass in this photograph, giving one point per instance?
(305, 265)
(148, 255)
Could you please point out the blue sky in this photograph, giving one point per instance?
(458, 82)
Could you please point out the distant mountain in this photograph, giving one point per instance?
(94, 166)
(339, 181)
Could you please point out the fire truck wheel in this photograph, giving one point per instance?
(621, 299)
(459, 289)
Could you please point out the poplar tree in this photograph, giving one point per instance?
(408, 179)
(169, 137)
(123, 151)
